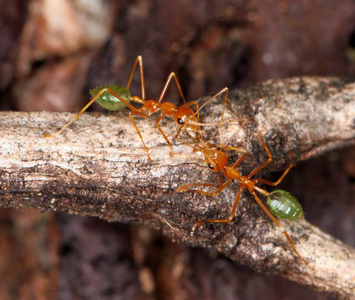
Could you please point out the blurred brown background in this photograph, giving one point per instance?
(53, 52)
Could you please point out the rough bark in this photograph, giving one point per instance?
(99, 168)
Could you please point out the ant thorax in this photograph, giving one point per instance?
(232, 173)
(152, 106)
(168, 108)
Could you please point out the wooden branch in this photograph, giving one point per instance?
(99, 168)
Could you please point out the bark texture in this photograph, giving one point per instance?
(99, 168)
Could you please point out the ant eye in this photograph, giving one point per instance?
(211, 166)
(180, 121)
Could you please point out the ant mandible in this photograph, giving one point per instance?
(281, 202)
(113, 97)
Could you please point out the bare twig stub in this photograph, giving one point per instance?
(98, 167)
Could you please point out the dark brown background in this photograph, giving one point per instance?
(52, 52)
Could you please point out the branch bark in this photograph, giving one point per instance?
(99, 168)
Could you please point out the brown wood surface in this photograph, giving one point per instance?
(99, 168)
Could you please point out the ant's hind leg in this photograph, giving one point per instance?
(264, 164)
(271, 183)
(139, 61)
(231, 215)
(46, 135)
(257, 199)
(60, 131)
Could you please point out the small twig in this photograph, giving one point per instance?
(99, 168)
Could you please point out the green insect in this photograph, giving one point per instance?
(282, 204)
(115, 97)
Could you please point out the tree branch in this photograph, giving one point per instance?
(98, 167)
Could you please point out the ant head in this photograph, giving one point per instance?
(215, 159)
(182, 117)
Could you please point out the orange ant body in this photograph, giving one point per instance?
(216, 160)
(122, 97)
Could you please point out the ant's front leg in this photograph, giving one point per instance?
(157, 123)
(139, 61)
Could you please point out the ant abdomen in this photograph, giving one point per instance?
(108, 100)
(282, 204)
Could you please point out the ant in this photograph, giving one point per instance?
(281, 202)
(114, 97)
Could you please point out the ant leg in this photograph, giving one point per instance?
(139, 133)
(236, 149)
(163, 134)
(186, 188)
(224, 90)
(137, 100)
(220, 123)
(220, 178)
(200, 124)
(231, 215)
(257, 199)
(239, 160)
(222, 116)
(271, 183)
(171, 75)
(139, 61)
(278, 181)
(264, 164)
(178, 132)
(86, 107)
(245, 120)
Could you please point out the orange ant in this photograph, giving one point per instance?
(115, 97)
(216, 160)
